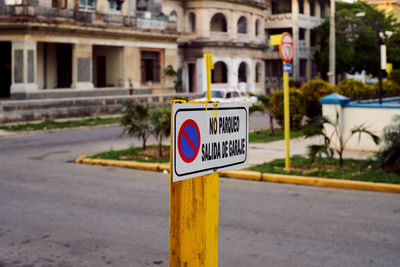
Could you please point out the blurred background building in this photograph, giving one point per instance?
(72, 48)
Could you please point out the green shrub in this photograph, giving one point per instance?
(389, 155)
(297, 108)
(395, 76)
(355, 90)
(295, 84)
(312, 92)
(389, 88)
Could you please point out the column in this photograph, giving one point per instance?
(132, 67)
(307, 41)
(317, 9)
(82, 69)
(295, 35)
(307, 10)
(23, 67)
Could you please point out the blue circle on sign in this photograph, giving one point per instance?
(189, 141)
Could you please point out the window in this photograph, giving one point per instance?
(219, 74)
(301, 6)
(312, 8)
(150, 66)
(242, 25)
(115, 5)
(218, 23)
(173, 16)
(257, 27)
(191, 23)
(59, 3)
(87, 5)
(303, 67)
(258, 73)
(242, 72)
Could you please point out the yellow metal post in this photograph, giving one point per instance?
(193, 221)
(286, 117)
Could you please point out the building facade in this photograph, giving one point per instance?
(388, 6)
(69, 47)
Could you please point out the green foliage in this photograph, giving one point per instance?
(133, 153)
(353, 169)
(136, 121)
(395, 76)
(312, 92)
(356, 39)
(184, 98)
(160, 119)
(355, 90)
(264, 105)
(264, 136)
(297, 108)
(169, 71)
(295, 84)
(51, 124)
(389, 88)
(389, 155)
(337, 138)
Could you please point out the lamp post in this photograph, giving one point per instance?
(379, 43)
(332, 46)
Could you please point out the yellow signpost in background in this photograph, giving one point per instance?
(286, 49)
(193, 220)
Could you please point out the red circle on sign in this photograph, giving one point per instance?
(286, 48)
(189, 141)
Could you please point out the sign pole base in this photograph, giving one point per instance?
(193, 233)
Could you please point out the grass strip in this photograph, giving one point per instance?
(51, 124)
(136, 154)
(263, 136)
(353, 169)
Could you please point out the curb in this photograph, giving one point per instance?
(256, 176)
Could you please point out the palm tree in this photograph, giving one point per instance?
(389, 155)
(264, 105)
(160, 119)
(315, 127)
(136, 121)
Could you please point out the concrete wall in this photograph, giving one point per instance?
(374, 118)
(35, 110)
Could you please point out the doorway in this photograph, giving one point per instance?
(192, 77)
(64, 65)
(5, 69)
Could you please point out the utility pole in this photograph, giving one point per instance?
(332, 46)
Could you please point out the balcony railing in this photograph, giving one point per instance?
(87, 17)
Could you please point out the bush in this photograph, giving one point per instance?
(389, 88)
(295, 84)
(312, 92)
(389, 155)
(395, 76)
(297, 108)
(355, 90)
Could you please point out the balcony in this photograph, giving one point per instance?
(219, 36)
(278, 21)
(44, 14)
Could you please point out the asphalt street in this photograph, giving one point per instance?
(57, 213)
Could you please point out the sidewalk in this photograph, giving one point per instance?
(265, 152)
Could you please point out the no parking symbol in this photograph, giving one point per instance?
(189, 141)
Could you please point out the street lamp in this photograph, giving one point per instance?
(379, 43)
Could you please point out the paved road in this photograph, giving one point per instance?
(56, 213)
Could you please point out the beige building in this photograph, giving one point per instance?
(107, 47)
(388, 6)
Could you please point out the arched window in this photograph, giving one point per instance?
(258, 72)
(242, 25)
(173, 16)
(242, 73)
(191, 22)
(257, 27)
(220, 73)
(218, 23)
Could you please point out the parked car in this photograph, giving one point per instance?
(229, 96)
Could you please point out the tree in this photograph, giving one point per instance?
(356, 39)
(315, 127)
(160, 119)
(264, 105)
(136, 121)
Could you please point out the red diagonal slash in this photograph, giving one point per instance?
(189, 140)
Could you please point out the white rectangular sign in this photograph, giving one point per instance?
(206, 140)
